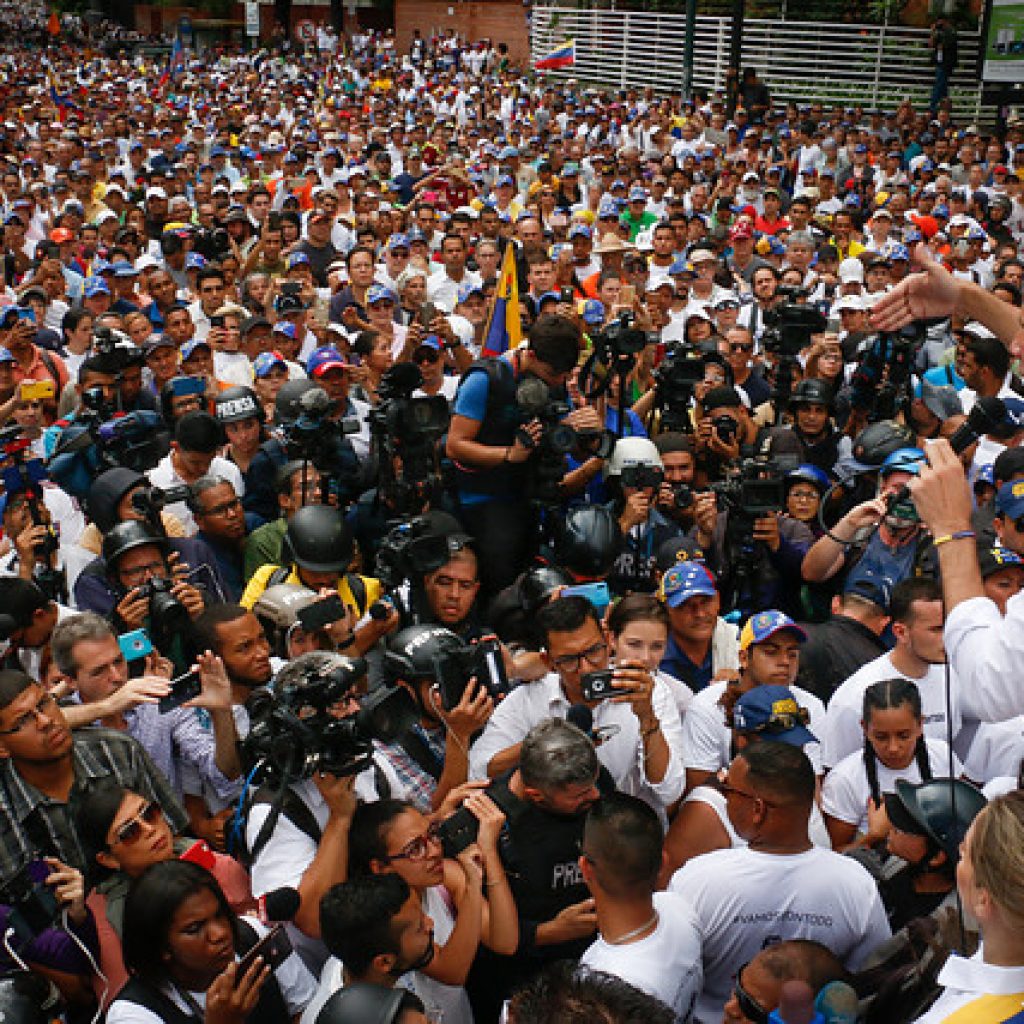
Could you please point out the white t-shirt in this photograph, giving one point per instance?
(233, 368)
(164, 475)
(707, 741)
(997, 750)
(745, 900)
(296, 983)
(842, 733)
(666, 964)
(845, 792)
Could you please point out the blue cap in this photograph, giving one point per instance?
(325, 358)
(504, 179)
(298, 259)
(379, 293)
(763, 625)
(430, 341)
(685, 580)
(416, 235)
(773, 712)
(191, 345)
(681, 266)
(617, 183)
(548, 297)
(266, 361)
(903, 460)
(1010, 499)
(285, 327)
(194, 261)
(607, 210)
(899, 252)
(593, 312)
(580, 231)
(1014, 413)
(637, 194)
(870, 585)
(95, 286)
(5, 356)
(860, 148)
(122, 268)
(467, 289)
(986, 475)
(398, 241)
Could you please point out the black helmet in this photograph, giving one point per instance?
(942, 810)
(878, 440)
(538, 584)
(126, 537)
(413, 652)
(812, 391)
(363, 1003)
(106, 493)
(27, 998)
(588, 540)
(286, 405)
(236, 404)
(318, 539)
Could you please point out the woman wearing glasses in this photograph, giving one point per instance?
(468, 898)
(124, 834)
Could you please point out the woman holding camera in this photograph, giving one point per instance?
(468, 897)
(182, 946)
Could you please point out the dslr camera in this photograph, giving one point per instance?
(481, 660)
(169, 617)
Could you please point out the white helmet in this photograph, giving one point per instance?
(632, 451)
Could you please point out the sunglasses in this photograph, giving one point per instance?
(426, 355)
(749, 1006)
(131, 831)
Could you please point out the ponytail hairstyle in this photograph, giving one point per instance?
(888, 695)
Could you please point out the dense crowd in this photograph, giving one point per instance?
(477, 547)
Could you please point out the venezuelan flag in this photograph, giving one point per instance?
(563, 57)
(504, 328)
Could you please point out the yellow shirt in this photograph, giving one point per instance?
(260, 580)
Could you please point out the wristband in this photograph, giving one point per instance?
(959, 535)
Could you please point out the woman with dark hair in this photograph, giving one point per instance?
(182, 945)
(123, 834)
(895, 747)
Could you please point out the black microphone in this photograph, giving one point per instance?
(278, 905)
(582, 717)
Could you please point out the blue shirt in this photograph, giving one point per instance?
(677, 663)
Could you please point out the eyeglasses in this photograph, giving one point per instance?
(418, 848)
(574, 662)
(131, 831)
(140, 572)
(234, 505)
(741, 348)
(749, 1006)
(42, 710)
(804, 495)
(427, 355)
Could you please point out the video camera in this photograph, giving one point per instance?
(880, 384)
(409, 551)
(674, 381)
(294, 734)
(211, 243)
(789, 325)
(151, 501)
(407, 429)
(757, 487)
(619, 339)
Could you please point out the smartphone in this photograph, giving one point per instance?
(428, 311)
(28, 315)
(135, 645)
(183, 689)
(627, 296)
(596, 593)
(321, 614)
(567, 296)
(216, 321)
(275, 947)
(182, 386)
(36, 390)
(598, 685)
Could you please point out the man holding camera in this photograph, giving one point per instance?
(634, 715)
(493, 449)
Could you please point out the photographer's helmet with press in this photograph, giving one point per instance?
(413, 654)
(587, 541)
(127, 537)
(286, 405)
(634, 462)
(233, 405)
(812, 391)
(277, 610)
(318, 539)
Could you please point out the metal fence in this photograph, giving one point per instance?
(869, 65)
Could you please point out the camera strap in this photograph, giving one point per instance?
(416, 747)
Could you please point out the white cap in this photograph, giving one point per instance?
(146, 261)
(851, 269)
(156, 192)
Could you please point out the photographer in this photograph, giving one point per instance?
(635, 476)
(641, 754)
(897, 543)
(220, 517)
(493, 450)
(151, 585)
(36, 553)
(679, 465)
(451, 591)
(812, 404)
(432, 758)
(723, 427)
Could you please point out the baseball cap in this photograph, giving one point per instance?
(297, 259)
(285, 327)
(870, 585)
(266, 361)
(685, 580)
(986, 476)
(701, 256)
(1010, 499)
(850, 270)
(766, 624)
(325, 358)
(580, 231)
(740, 231)
(155, 341)
(993, 559)
(853, 302)
(379, 293)
(5, 356)
(677, 550)
(194, 261)
(430, 341)
(773, 712)
(467, 290)
(398, 241)
(95, 285)
(939, 400)
(593, 312)
(637, 195)
(191, 345)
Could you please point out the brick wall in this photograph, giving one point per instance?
(504, 21)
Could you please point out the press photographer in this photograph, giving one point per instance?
(313, 738)
(494, 450)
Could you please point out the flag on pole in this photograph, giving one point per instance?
(504, 328)
(175, 62)
(562, 57)
(53, 25)
(62, 101)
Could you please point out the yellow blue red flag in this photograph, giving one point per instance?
(562, 57)
(504, 328)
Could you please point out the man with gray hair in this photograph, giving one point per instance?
(545, 800)
(217, 510)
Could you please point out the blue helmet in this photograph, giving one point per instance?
(904, 460)
(817, 478)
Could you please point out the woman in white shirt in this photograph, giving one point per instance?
(894, 748)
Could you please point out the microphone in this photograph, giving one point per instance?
(796, 1005)
(837, 1002)
(278, 905)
